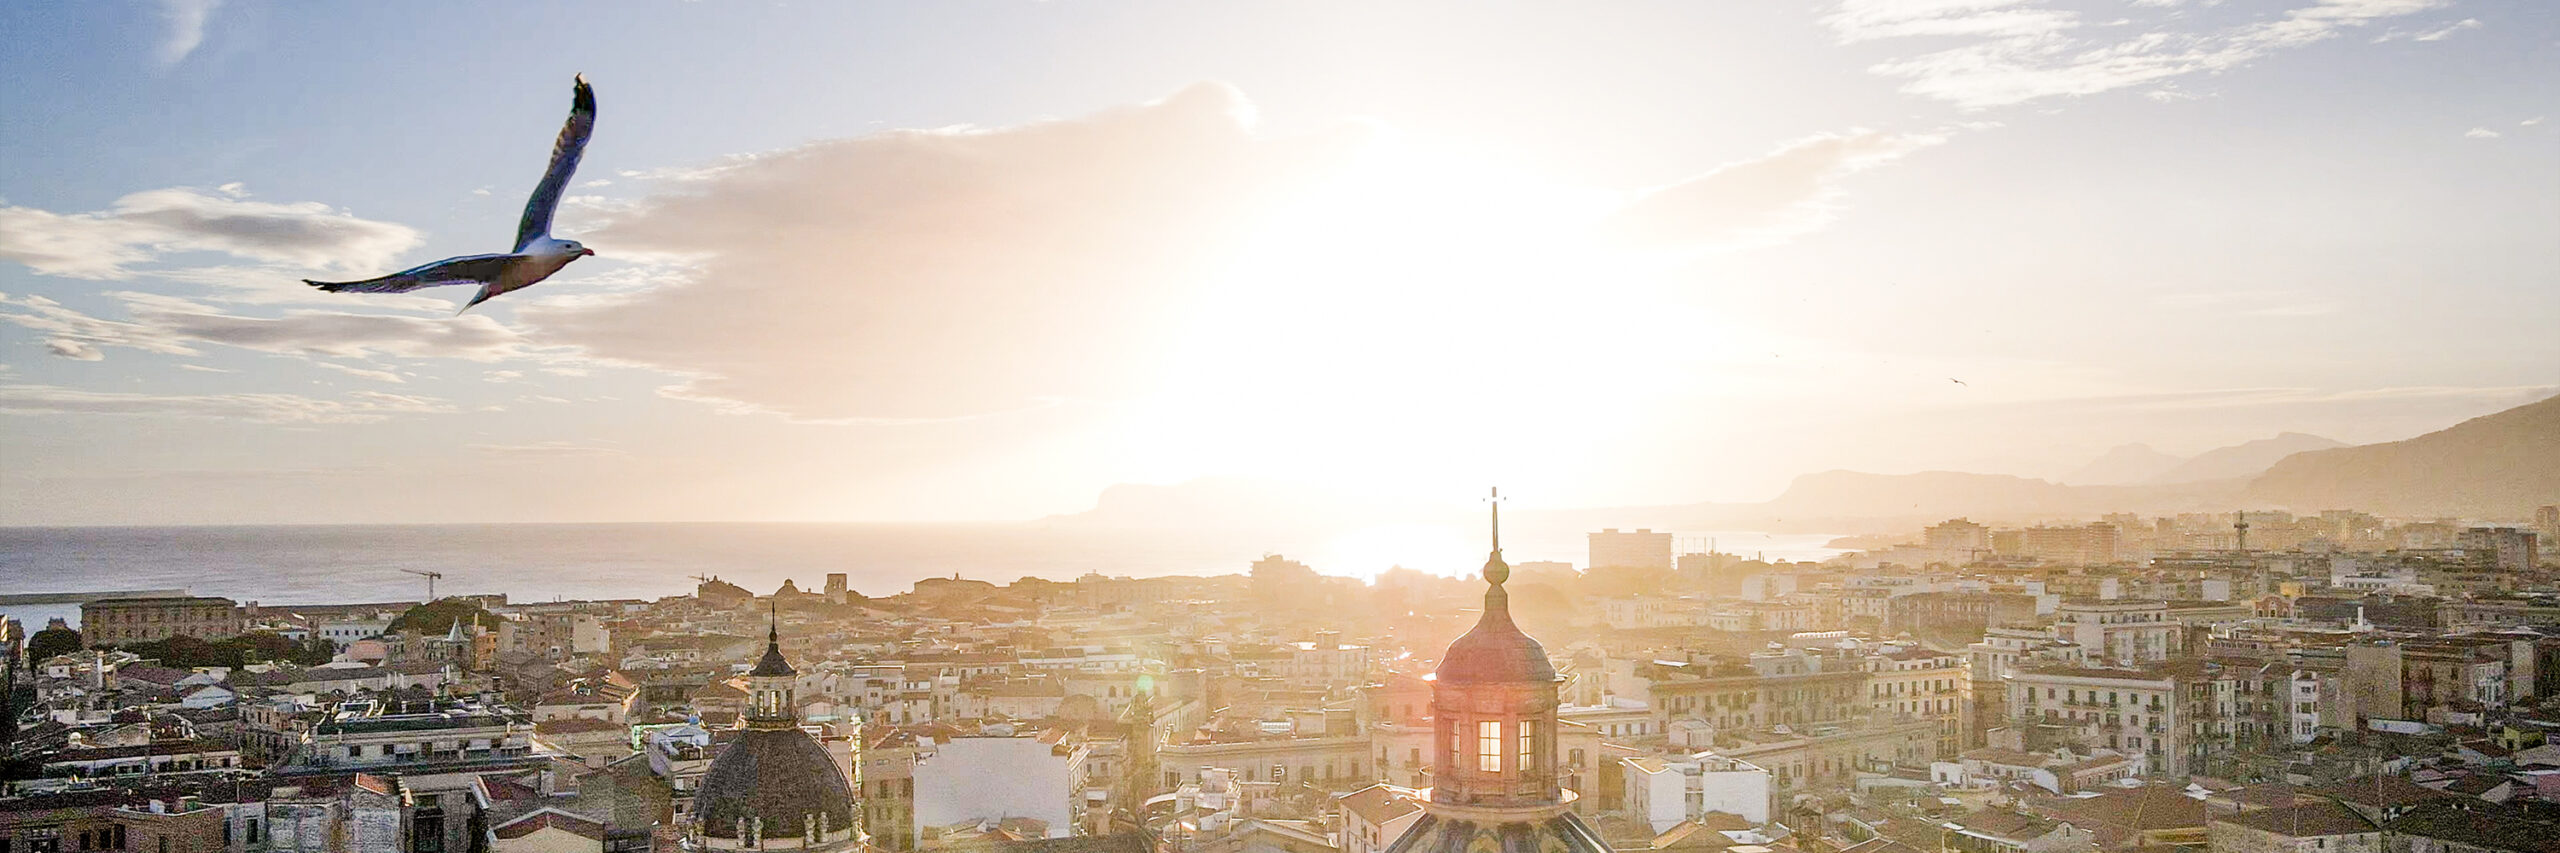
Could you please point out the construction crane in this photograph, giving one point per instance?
(431, 581)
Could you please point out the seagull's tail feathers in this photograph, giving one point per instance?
(477, 298)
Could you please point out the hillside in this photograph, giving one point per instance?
(2125, 463)
(2247, 459)
(2496, 466)
(1862, 499)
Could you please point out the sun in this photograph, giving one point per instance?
(1422, 314)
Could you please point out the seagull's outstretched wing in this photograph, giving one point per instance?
(468, 269)
(564, 162)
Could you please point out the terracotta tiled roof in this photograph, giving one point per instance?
(2303, 821)
(2145, 809)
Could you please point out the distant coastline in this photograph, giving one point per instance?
(317, 564)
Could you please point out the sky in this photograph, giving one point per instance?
(983, 260)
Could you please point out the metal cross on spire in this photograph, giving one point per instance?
(1495, 499)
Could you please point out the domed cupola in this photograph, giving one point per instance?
(1493, 711)
(1493, 703)
(774, 787)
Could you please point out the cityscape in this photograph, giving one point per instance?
(1280, 426)
(2241, 681)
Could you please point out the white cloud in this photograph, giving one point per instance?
(1868, 20)
(360, 407)
(186, 20)
(2021, 51)
(931, 274)
(74, 350)
(2481, 133)
(2436, 34)
(368, 373)
(1786, 192)
(171, 326)
(2531, 121)
(201, 368)
(140, 227)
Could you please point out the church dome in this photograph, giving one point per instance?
(781, 776)
(1495, 650)
(774, 780)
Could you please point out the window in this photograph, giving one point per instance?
(426, 833)
(1489, 746)
(1528, 745)
(253, 830)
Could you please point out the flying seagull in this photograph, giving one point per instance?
(537, 254)
(1958, 381)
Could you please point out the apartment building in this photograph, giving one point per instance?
(115, 621)
(2159, 711)
(2120, 633)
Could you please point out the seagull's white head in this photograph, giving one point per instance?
(573, 248)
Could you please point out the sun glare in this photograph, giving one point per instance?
(1415, 317)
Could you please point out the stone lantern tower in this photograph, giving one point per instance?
(1493, 706)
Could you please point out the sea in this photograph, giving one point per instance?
(321, 564)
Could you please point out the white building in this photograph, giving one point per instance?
(2129, 632)
(1636, 549)
(992, 778)
(1663, 791)
(1652, 611)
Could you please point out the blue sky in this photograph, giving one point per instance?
(981, 260)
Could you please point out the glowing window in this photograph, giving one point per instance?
(1528, 746)
(1489, 746)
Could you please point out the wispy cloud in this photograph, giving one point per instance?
(185, 20)
(171, 326)
(142, 226)
(1786, 192)
(2481, 133)
(850, 278)
(2022, 51)
(360, 407)
(2436, 34)
(364, 372)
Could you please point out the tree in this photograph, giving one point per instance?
(262, 646)
(316, 651)
(185, 652)
(437, 617)
(52, 641)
